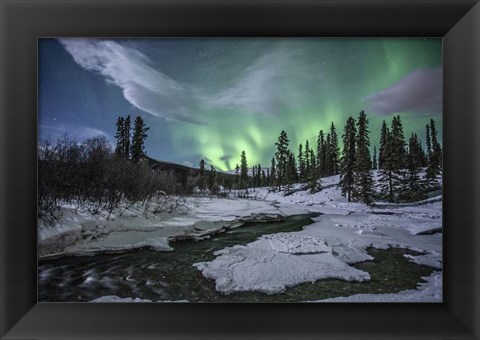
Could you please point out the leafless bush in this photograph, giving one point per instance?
(169, 204)
(91, 176)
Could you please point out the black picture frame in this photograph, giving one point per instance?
(22, 21)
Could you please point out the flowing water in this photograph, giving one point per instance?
(154, 275)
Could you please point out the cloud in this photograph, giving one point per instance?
(188, 163)
(144, 86)
(419, 92)
(78, 132)
(259, 89)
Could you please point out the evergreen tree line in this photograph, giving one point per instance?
(401, 177)
(131, 142)
(208, 179)
(286, 168)
(406, 171)
(93, 175)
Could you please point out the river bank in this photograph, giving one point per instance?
(328, 248)
(145, 275)
(81, 233)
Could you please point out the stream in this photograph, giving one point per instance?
(170, 276)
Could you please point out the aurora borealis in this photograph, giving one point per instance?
(212, 98)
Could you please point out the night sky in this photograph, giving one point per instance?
(213, 98)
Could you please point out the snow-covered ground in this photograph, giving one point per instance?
(263, 266)
(114, 298)
(79, 232)
(429, 291)
(325, 249)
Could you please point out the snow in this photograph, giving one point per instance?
(276, 261)
(325, 249)
(79, 232)
(114, 298)
(337, 239)
(429, 291)
(417, 219)
(432, 259)
(260, 267)
(296, 244)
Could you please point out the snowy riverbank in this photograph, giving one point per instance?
(428, 291)
(79, 232)
(325, 249)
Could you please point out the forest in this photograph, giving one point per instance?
(94, 175)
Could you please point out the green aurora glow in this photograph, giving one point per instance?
(223, 96)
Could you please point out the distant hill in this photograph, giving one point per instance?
(169, 166)
(182, 171)
(232, 172)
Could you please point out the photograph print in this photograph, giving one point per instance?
(240, 170)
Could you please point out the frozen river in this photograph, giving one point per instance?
(171, 276)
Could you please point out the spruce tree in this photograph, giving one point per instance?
(347, 164)
(383, 142)
(314, 177)
(291, 171)
(313, 168)
(137, 149)
(212, 179)
(334, 150)
(259, 175)
(385, 180)
(413, 189)
(423, 157)
(398, 154)
(428, 140)
(273, 173)
(301, 163)
(202, 180)
(281, 156)
(243, 170)
(392, 175)
(122, 135)
(328, 168)
(237, 175)
(201, 165)
(126, 137)
(120, 147)
(321, 153)
(435, 155)
(363, 181)
(307, 159)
